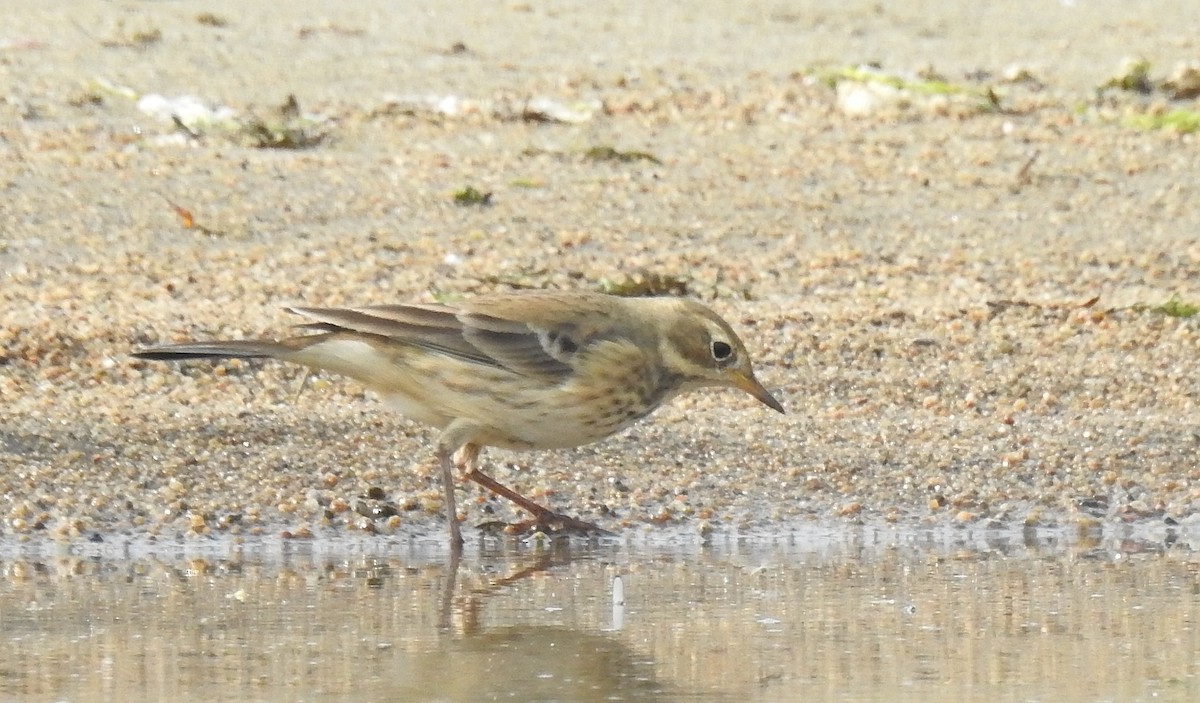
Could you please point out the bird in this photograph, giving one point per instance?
(519, 370)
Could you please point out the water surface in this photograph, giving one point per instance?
(845, 614)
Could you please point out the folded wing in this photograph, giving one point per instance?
(528, 347)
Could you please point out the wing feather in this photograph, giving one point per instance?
(532, 335)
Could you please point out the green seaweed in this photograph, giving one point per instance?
(1174, 307)
(472, 196)
(608, 153)
(1180, 120)
(831, 77)
(291, 131)
(927, 84)
(646, 283)
(1133, 76)
(133, 38)
(212, 20)
(262, 135)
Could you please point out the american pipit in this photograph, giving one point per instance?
(530, 370)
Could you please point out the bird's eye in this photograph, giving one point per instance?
(721, 351)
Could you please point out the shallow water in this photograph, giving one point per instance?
(846, 614)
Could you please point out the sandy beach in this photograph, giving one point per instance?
(954, 282)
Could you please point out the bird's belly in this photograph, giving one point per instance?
(557, 433)
(550, 425)
(510, 424)
(505, 410)
(415, 409)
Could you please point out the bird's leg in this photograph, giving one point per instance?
(466, 457)
(447, 461)
(445, 613)
(544, 518)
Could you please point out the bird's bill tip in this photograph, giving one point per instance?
(751, 385)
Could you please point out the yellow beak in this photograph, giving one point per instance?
(751, 385)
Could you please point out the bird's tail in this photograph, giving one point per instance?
(236, 349)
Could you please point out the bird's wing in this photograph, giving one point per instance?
(533, 335)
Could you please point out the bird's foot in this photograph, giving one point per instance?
(549, 523)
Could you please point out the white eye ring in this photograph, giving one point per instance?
(721, 351)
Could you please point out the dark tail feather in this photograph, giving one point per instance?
(241, 349)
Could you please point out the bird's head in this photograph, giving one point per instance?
(704, 350)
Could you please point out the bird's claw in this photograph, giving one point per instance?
(549, 523)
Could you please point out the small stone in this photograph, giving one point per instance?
(1184, 81)
(1018, 73)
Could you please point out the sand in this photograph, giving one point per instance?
(956, 296)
